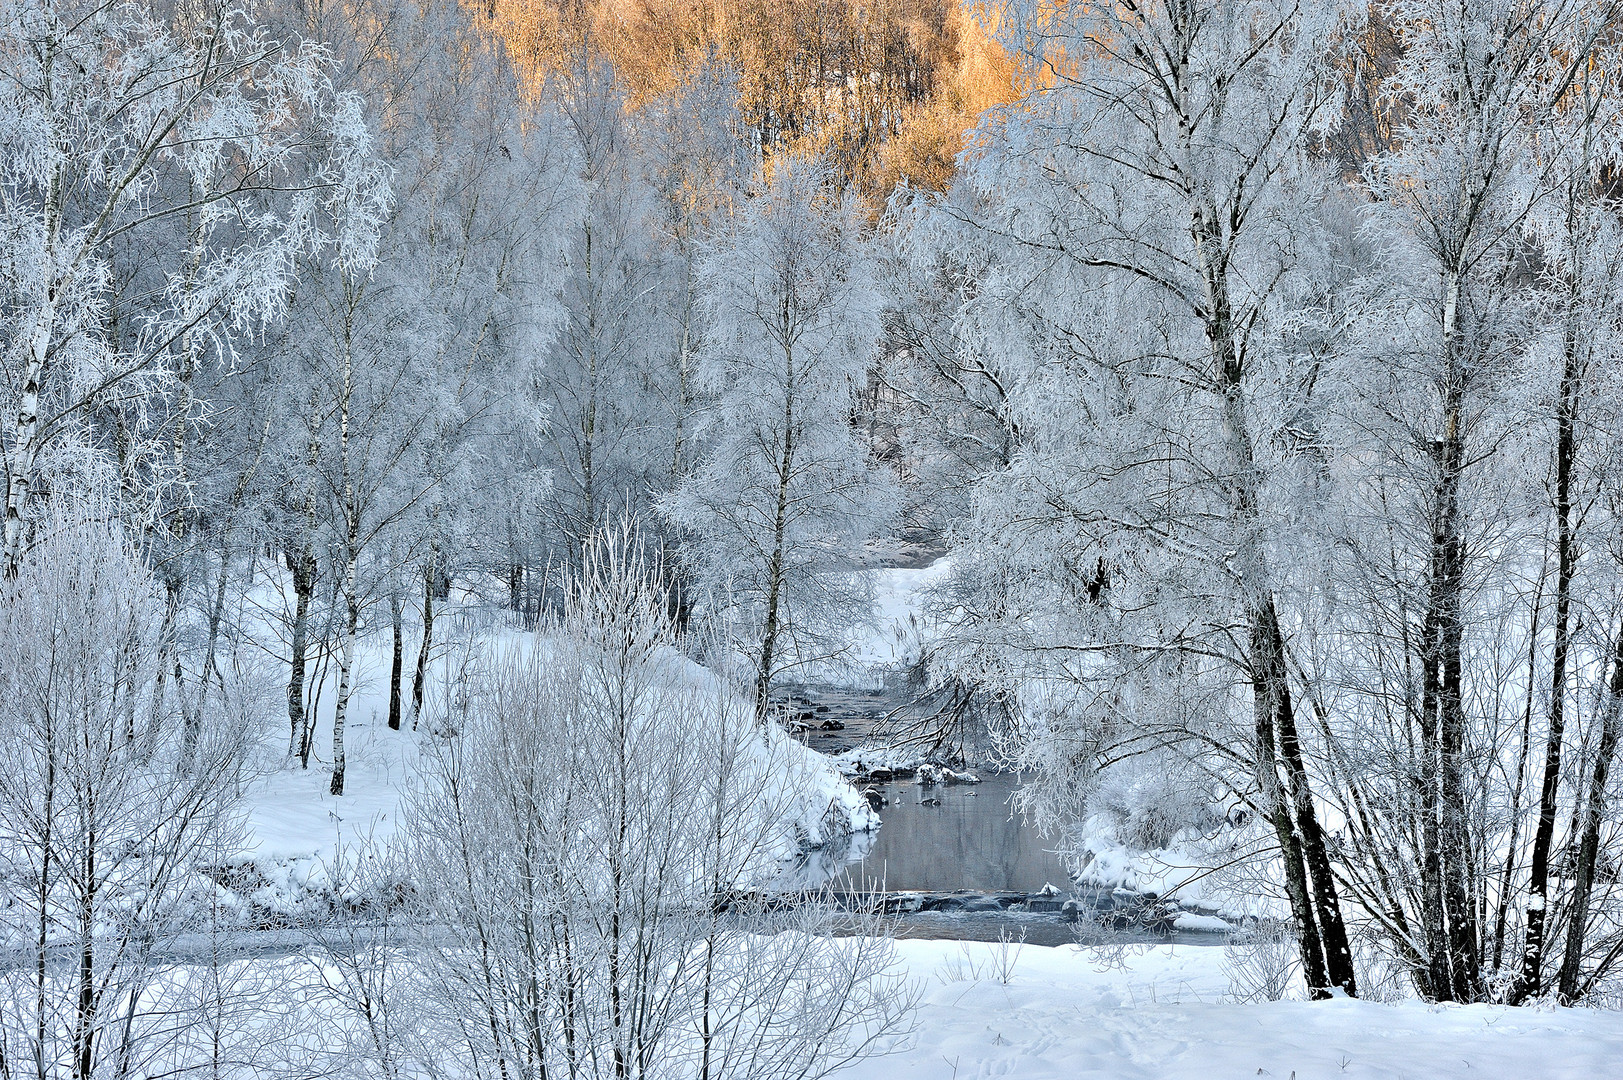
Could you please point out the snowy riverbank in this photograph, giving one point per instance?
(1164, 1014)
(297, 834)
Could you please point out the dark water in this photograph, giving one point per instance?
(973, 840)
(1009, 926)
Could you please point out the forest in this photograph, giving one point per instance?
(451, 448)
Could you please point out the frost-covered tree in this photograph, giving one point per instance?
(778, 514)
(1151, 199)
(697, 163)
(1581, 237)
(604, 444)
(400, 356)
(1581, 242)
(178, 135)
(940, 385)
(108, 814)
(1441, 411)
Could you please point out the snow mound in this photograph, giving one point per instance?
(299, 836)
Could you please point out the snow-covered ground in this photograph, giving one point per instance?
(296, 829)
(1163, 1015)
(290, 813)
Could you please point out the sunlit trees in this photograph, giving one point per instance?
(883, 91)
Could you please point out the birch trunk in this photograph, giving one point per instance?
(193, 723)
(1450, 914)
(774, 593)
(397, 660)
(25, 431)
(168, 657)
(1594, 812)
(352, 555)
(24, 448)
(1310, 883)
(1529, 982)
(301, 565)
(346, 670)
(430, 573)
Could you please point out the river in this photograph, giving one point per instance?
(972, 840)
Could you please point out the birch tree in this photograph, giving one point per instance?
(1581, 241)
(116, 123)
(698, 164)
(603, 446)
(1149, 189)
(940, 384)
(777, 515)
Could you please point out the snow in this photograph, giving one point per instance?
(1162, 1015)
(1191, 870)
(296, 829)
(291, 816)
(903, 625)
(1200, 924)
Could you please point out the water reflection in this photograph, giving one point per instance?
(822, 866)
(971, 840)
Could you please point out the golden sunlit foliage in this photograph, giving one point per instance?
(883, 89)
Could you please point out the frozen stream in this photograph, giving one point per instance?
(972, 840)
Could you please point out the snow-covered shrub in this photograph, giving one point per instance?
(111, 809)
(994, 963)
(595, 837)
(1381, 975)
(1263, 964)
(1150, 807)
(1153, 827)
